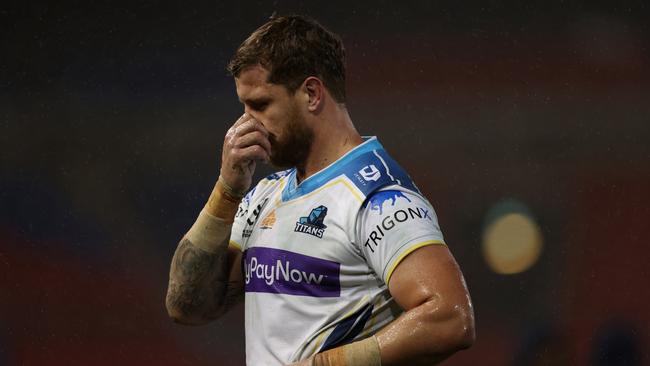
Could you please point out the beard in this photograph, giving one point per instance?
(291, 148)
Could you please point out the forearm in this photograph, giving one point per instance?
(197, 284)
(198, 280)
(205, 276)
(426, 334)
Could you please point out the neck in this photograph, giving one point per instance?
(334, 136)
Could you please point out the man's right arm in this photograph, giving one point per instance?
(199, 289)
(205, 277)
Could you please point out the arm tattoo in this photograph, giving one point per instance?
(192, 262)
(197, 282)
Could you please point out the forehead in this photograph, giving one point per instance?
(252, 84)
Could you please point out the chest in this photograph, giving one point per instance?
(320, 225)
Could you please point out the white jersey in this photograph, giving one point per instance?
(318, 256)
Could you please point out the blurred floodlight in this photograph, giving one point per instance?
(512, 240)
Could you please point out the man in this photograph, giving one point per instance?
(339, 258)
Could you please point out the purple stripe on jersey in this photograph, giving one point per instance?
(283, 272)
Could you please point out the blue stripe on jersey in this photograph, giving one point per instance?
(368, 166)
(278, 175)
(347, 329)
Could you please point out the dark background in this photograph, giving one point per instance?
(112, 118)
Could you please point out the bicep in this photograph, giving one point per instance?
(429, 273)
(438, 320)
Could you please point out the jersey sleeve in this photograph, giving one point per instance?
(236, 232)
(393, 223)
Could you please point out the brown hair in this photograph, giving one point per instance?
(292, 48)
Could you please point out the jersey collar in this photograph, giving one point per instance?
(293, 190)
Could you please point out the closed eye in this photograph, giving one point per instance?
(258, 104)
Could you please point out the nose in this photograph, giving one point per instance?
(250, 112)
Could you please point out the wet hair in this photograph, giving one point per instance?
(293, 48)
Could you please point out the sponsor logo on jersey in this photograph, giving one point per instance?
(252, 218)
(268, 221)
(240, 212)
(370, 173)
(392, 220)
(313, 224)
(279, 271)
(377, 200)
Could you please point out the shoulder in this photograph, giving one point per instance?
(370, 168)
(392, 223)
(392, 198)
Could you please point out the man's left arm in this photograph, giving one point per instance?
(438, 318)
(400, 238)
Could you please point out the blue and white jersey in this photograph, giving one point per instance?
(317, 256)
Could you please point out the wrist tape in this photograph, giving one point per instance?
(209, 233)
(361, 353)
(228, 190)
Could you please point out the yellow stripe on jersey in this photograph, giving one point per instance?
(319, 342)
(409, 251)
(370, 324)
(352, 189)
(340, 180)
(283, 182)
